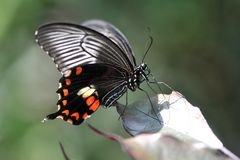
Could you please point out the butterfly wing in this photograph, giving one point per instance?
(94, 69)
(114, 34)
(83, 88)
(71, 45)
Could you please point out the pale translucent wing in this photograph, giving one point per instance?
(71, 45)
(114, 34)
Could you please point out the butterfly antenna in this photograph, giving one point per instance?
(154, 112)
(148, 48)
(63, 151)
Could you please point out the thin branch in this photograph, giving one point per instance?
(64, 152)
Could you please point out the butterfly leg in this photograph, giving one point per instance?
(152, 107)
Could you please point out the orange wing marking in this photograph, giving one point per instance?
(64, 102)
(65, 92)
(76, 115)
(95, 105)
(85, 116)
(90, 100)
(66, 112)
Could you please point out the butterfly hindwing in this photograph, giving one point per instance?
(76, 101)
(84, 88)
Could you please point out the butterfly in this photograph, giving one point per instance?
(97, 64)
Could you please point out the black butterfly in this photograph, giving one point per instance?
(97, 63)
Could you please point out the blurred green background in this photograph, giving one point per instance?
(196, 50)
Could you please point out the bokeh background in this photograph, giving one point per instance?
(196, 50)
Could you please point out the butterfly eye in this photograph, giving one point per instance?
(144, 66)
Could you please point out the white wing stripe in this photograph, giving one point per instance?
(76, 55)
(67, 52)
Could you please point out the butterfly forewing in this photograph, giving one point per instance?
(113, 34)
(71, 45)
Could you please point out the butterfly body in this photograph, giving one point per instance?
(97, 64)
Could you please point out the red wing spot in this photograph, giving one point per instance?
(65, 92)
(70, 121)
(66, 112)
(85, 116)
(64, 102)
(78, 70)
(90, 100)
(95, 105)
(76, 115)
(68, 82)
